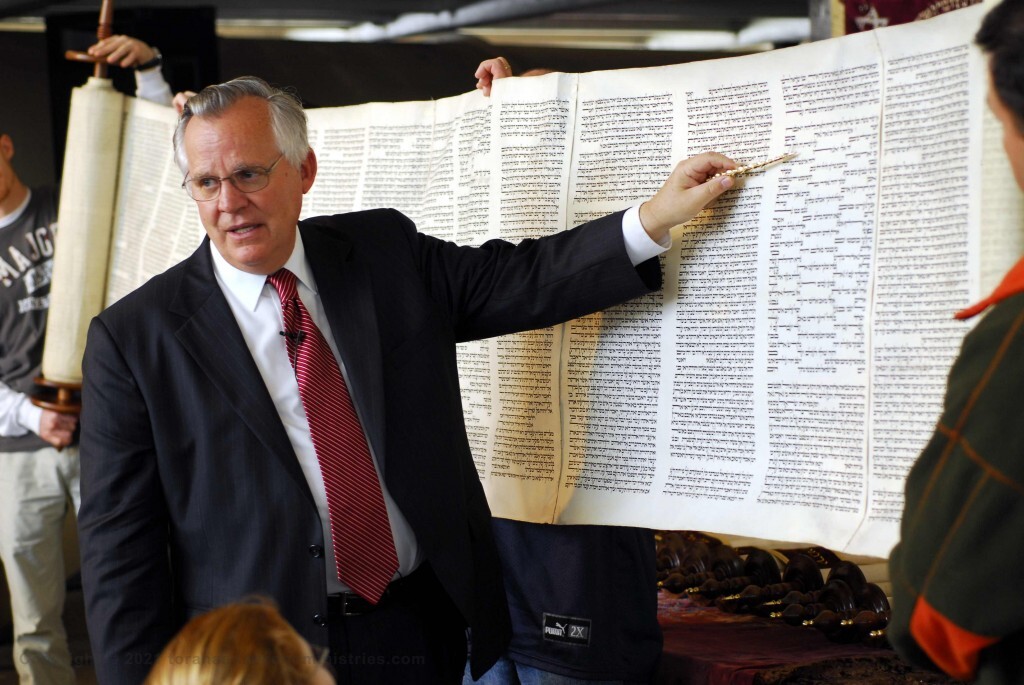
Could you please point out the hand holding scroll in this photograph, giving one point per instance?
(57, 429)
(686, 192)
(124, 51)
(180, 99)
(489, 70)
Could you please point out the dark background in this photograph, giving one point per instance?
(36, 80)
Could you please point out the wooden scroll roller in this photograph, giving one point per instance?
(104, 30)
(837, 596)
(759, 568)
(685, 559)
(718, 562)
(670, 548)
(848, 617)
(801, 574)
(844, 607)
(86, 202)
(796, 607)
(65, 398)
(850, 610)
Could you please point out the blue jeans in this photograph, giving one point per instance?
(508, 672)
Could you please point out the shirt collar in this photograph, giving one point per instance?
(247, 287)
(8, 220)
(1012, 284)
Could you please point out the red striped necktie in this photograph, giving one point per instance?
(364, 550)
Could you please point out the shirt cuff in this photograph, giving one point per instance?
(29, 415)
(639, 245)
(150, 85)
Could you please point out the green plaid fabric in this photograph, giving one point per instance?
(960, 563)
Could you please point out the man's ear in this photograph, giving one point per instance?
(6, 147)
(307, 171)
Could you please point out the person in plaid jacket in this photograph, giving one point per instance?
(958, 571)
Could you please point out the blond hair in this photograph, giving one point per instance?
(246, 643)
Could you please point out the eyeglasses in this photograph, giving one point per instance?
(246, 180)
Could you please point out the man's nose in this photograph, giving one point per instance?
(230, 198)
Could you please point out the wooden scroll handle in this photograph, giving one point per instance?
(104, 30)
(64, 398)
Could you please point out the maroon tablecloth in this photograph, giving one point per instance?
(705, 646)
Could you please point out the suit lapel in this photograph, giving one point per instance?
(346, 294)
(212, 337)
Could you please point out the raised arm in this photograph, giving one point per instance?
(124, 51)
(130, 52)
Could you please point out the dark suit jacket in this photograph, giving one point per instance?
(191, 493)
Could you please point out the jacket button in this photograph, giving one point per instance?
(316, 551)
(319, 619)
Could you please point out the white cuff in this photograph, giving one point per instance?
(29, 415)
(639, 245)
(150, 85)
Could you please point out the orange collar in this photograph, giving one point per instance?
(1012, 284)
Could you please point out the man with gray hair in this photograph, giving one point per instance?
(280, 413)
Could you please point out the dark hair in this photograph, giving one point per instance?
(1001, 36)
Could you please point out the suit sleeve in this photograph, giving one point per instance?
(500, 288)
(123, 526)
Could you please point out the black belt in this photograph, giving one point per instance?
(350, 604)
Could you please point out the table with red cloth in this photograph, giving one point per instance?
(707, 646)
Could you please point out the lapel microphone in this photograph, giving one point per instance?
(295, 336)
